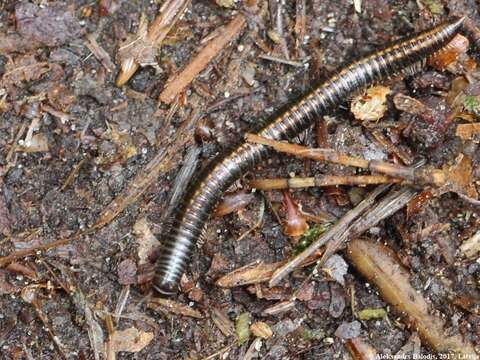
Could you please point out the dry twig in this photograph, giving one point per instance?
(183, 79)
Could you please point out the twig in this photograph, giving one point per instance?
(420, 176)
(280, 60)
(390, 204)
(180, 81)
(33, 250)
(71, 177)
(100, 53)
(220, 352)
(182, 179)
(320, 181)
(300, 22)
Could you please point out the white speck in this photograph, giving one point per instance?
(240, 48)
(328, 340)
(226, 94)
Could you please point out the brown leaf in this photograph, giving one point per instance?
(52, 25)
(460, 177)
(261, 329)
(23, 68)
(449, 53)
(130, 340)
(147, 242)
(468, 131)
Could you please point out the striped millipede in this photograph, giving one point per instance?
(190, 219)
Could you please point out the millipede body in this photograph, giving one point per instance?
(192, 215)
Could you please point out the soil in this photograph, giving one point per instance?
(64, 301)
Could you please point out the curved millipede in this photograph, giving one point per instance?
(193, 214)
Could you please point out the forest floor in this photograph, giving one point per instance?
(109, 107)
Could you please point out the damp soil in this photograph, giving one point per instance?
(72, 142)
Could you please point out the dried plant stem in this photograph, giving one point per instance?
(180, 81)
(320, 181)
(420, 176)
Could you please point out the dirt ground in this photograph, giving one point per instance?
(87, 170)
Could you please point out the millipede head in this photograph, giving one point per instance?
(164, 286)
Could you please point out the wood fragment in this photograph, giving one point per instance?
(99, 53)
(221, 320)
(180, 81)
(300, 23)
(380, 267)
(467, 131)
(167, 305)
(73, 174)
(471, 247)
(281, 61)
(279, 308)
(257, 272)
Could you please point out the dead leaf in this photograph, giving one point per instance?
(123, 141)
(459, 177)
(336, 267)
(23, 68)
(261, 329)
(468, 131)
(449, 53)
(370, 106)
(130, 340)
(147, 242)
